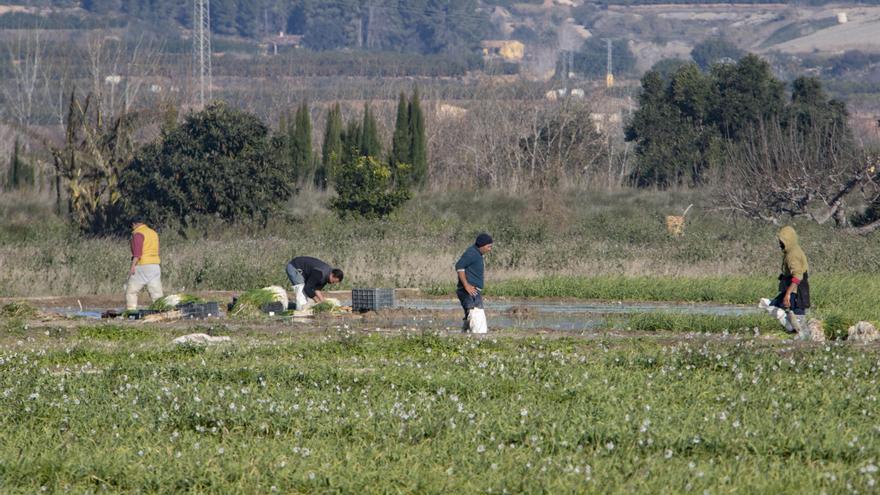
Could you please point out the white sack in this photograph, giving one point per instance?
(477, 321)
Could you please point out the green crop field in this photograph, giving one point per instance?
(104, 409)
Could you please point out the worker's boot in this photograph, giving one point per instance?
(793, 321)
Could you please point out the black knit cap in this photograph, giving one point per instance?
(483, 239)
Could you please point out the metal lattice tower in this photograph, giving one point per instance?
(202, 48)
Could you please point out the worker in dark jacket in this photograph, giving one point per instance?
(470, 270)
(309, 276)
(794, 284)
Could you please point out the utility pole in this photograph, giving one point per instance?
(202, 48)
(609, 72)
(370, 26)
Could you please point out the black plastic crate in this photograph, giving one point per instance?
(200, 310)
(141, 313)
(276, 307)
(371, 299)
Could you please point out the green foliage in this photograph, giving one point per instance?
(21, 174)
(672, 322)
(401, 141)
(419, 146)
(332, 148)
(171, 302)
(369, 143)
(324, 307)
(592, 59)
(667, 67)
(298, 145)
(218, 162)
(712, 50)
(18, 309)
(687, 120)
(326, 413)
(365, 188)
(409, 152)
(836, 326)
(113, 333)
(251, 302)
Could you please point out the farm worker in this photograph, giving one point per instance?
(470, 269)
(144, 269)
(308, 276)
(794, 284)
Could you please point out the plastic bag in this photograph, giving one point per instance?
(777, 313)
(301, 301)
(477, 321)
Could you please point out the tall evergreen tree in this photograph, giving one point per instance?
(351, 142)
(369, 143)
(301, 145)
(401, 142)
(331, 150)
(20, 174)
(419, 146)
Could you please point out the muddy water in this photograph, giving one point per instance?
(567, 307)
(526, 314)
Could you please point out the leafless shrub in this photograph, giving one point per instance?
(780, 172)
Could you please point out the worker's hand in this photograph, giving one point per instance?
(131, 271)
(786, 301)
(470, 289)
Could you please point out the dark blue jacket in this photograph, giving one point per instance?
(472, 264)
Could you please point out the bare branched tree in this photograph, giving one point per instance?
(119, 70)
(500, 141)
(781, 172)
(26, 62)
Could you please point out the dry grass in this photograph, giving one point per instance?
(588, 234)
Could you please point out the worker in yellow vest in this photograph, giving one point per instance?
(144, 270)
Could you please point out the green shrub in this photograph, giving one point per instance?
(219, 162)
(364, 188)
(836, 326)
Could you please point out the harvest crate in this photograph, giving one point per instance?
(200, 310)
(371, 299)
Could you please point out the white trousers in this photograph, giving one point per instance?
(144, 275)
(301, 301)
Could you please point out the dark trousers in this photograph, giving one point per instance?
(793, 299)
(469, 302)
(800, 300)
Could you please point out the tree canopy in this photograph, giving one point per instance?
(218, 162)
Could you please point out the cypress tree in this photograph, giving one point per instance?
(419, 145)
(331, 150)
(301, 144)
(20, 174)
(369, 143)
(401, 143)
(351, 140)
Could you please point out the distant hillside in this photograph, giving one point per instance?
(422, 26)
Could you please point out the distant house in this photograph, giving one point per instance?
(509, 50)
(289, 40)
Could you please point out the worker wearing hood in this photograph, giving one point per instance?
(794, 286)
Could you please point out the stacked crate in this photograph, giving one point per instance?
(371, 299)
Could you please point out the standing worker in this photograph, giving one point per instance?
(308, 276)
(794, 284)
(144, 269)
(470, 269)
